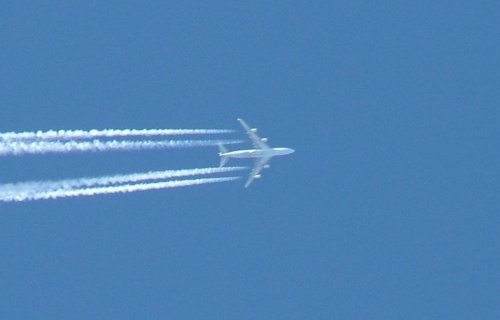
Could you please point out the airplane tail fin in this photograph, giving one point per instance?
(223, 159)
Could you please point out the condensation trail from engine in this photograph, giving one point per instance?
(13, 190)
(106, 133)
(65, 193)
(20, 147)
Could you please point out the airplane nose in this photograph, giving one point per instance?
(292, 150)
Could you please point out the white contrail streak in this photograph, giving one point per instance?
(19, 147)
(13, 190)
(63, 193)
(106, 133)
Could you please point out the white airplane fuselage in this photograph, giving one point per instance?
(257, 153)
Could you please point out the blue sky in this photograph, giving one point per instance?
(387, 210)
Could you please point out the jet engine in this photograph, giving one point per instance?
(267, 166)
(264, 139)
(257, 176)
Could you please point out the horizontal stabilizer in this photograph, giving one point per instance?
(223, 159)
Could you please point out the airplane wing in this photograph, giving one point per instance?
(259, 164)
(257, 142)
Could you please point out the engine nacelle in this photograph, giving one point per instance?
(257, 176)
(254, 129)
(266, 166)
(264, 139)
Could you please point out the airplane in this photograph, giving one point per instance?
(262, 153)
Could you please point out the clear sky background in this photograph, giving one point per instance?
(389, 208)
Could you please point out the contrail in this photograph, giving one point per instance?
(107, 133)
(13, 190)
(63, 193)
(19, 147)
